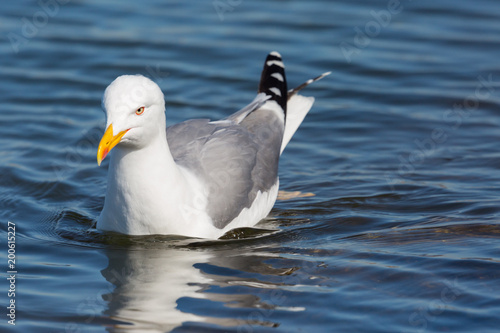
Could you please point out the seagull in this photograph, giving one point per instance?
(199, 178)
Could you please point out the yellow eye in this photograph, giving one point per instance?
(139, 111)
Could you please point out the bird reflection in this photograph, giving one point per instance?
(154, 281)
(148, 282)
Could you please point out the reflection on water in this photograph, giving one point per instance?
(159, 287)
(148, 283)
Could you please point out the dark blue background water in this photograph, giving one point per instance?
(401, 150)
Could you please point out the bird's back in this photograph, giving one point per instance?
(236, 158)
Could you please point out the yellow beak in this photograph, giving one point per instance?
(107, 143)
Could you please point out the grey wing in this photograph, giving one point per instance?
(186, 139)
(228, 159)
(235, 161)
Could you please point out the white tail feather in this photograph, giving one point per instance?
(297, 108)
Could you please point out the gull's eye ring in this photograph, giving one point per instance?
(139, 111)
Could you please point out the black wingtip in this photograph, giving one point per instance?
(273, 80)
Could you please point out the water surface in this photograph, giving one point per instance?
(400, 149)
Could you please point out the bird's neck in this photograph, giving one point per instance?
(142, 164)
(137, 179)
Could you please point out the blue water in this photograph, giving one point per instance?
(401, 150)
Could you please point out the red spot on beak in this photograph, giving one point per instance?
(105, 152)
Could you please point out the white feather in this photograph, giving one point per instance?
(297, 108)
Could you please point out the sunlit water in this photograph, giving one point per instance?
(401, 150)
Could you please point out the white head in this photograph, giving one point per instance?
(135, 112)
